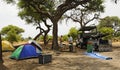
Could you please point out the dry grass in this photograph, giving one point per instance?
(116, 44)
(65, 61)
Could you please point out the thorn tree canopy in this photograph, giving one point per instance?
(49, 9)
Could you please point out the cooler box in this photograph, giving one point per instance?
(45, 58)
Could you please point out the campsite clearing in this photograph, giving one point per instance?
(65, 61)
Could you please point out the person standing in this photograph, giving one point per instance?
(61, 44)
(70, 40)
(90, 46)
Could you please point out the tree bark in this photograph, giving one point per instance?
(45, 40)
(1, 60)
(55, 36)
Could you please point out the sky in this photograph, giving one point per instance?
(8, 16)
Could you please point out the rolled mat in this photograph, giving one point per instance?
(97, 55)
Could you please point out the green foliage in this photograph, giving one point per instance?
(9, 28)
(12, 33)
(96, 5)
(49, 37)
(29, 16)
(41, 38)
(47, 9)
(112, 22)
(29, 9)
(107, 30)
(73, 32)
(114, 39)
(117, 34)
(109, 21)
(88, 13)
(65, 37)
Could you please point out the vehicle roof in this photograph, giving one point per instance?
(87, 28)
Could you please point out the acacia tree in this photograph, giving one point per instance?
(42, 7)
(112, 22)
(84, 15)
(106, 31)
(12, 33)
(30, 17)
(43, 31)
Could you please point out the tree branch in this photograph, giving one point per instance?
(39, 10)
(95, 17)
(69, 4)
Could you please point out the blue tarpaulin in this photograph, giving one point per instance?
(97, 55)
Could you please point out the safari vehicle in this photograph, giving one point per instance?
(90, 33)
(103, 45)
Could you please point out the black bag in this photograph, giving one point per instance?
(45, 58)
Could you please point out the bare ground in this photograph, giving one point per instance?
(65, 61)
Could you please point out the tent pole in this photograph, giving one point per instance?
(1, 60)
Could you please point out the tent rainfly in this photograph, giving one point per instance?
(7, 46)
(24, 51)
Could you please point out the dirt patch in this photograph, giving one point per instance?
(116, 44)
(65, 61)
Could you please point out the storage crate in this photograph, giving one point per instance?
(45, 58)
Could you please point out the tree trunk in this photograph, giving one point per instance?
(45, 40)
(39, 27)
(55, 37)
(46, 32)
(37, 36)
(1, 60)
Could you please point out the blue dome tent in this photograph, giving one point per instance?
(24, 51)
